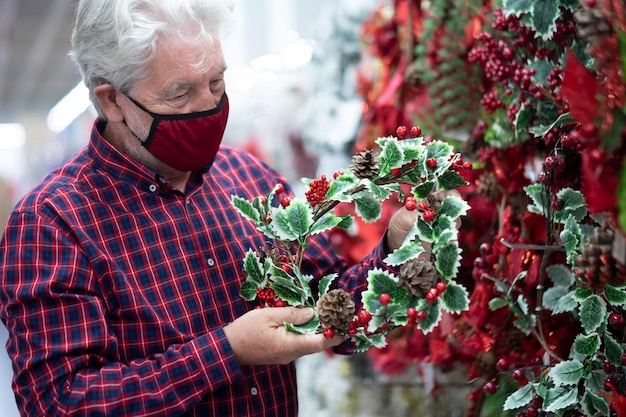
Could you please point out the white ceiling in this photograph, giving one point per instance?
(35, 69)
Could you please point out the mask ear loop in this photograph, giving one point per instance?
(153, 127)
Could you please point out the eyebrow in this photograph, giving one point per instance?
(176, 87)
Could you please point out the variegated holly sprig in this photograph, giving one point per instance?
(423, 167)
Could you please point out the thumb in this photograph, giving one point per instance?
(296, 315)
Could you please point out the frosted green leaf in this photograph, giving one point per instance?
(390, 157)
(586, 345)
(544, 19)
(253, 268)
(453, 207)
(433, 316)
(412, 148)
(424, 231)
(573, 203)
(248, 290)
(594, 404)
(560, 398)
(325, 282)
(615, 296)
(287, 291)
(592, 313)
(281, 225)
(246, 209)
(339, 187)
(450, 180)
(403, 254)
(380, 193)
(571, 238)
(582, 293)
(519, 398)
(455, 298)
(327, 222)
(518, 7)
(540, 200)
(560, 275)
(612, 350)
(497, 303)
(311, 326)
(448, 260)
(565, 304)
(421, 191)
(552, 296)
(368, 208)
(566, 372)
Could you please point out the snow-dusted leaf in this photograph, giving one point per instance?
(448, 260)
(453, 207)
(455, 298)
(433, 316)
(246, 209)
(586, 345)
(325, 282)
(560, 398)
(403, 254)
(592, 313)
(520, 398)
(567, 372)
(614, 295)
(560, 275)
(368, 208)
(612, 350)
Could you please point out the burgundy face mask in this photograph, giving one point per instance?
(189, 141)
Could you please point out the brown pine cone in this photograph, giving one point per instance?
(591, 23)
(417, 276)
(597, 266)
(364, 164)
(336, 309)
(488, 186)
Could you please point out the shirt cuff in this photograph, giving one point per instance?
(216, 360)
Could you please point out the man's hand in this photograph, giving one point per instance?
(403, 220)
(259, 337)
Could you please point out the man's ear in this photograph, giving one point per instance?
(106, 95)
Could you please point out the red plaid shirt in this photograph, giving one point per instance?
(115, 289)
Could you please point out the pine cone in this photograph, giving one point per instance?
(336, 309)
(417, 276)
(488, 186)
(365, 164)
(591, 23)
(597, 266)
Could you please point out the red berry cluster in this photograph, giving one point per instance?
(269, 298)
(460, 165)
(317, 191)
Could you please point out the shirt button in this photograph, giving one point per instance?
(210, 261)
(153, 188)
(253, 391)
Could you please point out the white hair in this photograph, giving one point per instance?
(114, 40)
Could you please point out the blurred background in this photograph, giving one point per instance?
(291, 83)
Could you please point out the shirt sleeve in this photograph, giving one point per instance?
(65, 356)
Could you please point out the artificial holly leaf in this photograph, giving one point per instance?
(448, 260)
(586, 345)
(287, 291)
(423, 190)
(582, 293)
(560, 275)
(567, 372)
(450, 180)
(573, 204)
(540, 200)
(325, 282)
(326, 222)
(520, 398)
(524, 321)
(560, 398)
(571, 237)
(303, 283)
(612, 350)
(246, 209)
(455, 298)
(248, 290)
(339, 187)
(281, 225)
(615, 296)
(592, 313)
(253, 268)
(346, 222)
(563, 119)
(441, 152)
(453, 207)
(380, 193)
(381, 282)
(518, 7)
(565, 304)
(391, 156)
(424, 231)
(412, 148)
(403, 254)
(368, 208)
(365, 342)
(497, 303)
(433, 316)
(594, 404)
(545, 17)
(541, 69)
(580, 90)
(311, 326)
(551, 297)
(523, 118)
